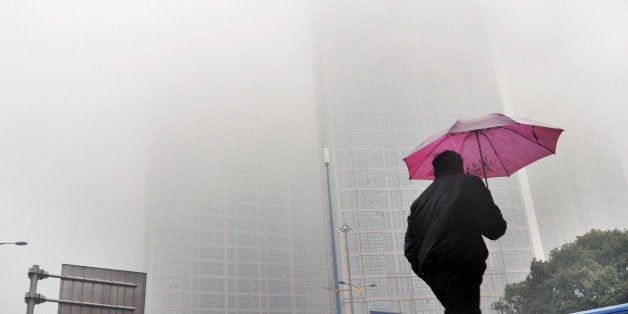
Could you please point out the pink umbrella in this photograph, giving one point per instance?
(491, 146)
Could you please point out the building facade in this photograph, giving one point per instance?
(572, 199)
(387, 77)
(235, 213)
(240, 230)
(237, 220)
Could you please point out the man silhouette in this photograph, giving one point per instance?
(443, 242)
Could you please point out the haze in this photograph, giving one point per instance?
(84, 85)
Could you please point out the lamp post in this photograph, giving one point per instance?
(20, 243)
(359, 289)
(331, 230)
(345, 229)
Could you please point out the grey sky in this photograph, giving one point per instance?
(80, 82)
(564, 62)
(73, 140)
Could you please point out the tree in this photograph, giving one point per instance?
(591, 272)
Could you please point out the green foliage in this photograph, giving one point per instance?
(591, 272)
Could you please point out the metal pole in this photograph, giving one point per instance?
(32, 298)
(477, 137)
(92, 280)
(345, 229)
(89, 304)
(331, 231)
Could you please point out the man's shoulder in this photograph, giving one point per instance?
(472, 178)
(465, 178)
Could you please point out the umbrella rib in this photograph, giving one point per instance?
(469, 134)
(496, 154)
(435, 147)
(529, 139)
(465, 139)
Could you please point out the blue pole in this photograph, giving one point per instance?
(332, 234)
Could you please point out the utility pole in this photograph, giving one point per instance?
(331, 231)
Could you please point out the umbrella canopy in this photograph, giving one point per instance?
(491, 146)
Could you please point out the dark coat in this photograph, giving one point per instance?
(447, 222)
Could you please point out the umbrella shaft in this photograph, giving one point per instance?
(477, 138)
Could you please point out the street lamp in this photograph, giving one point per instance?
(15, 243)
(357, 288)
(345, 229)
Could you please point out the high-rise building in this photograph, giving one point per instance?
(235, 212)
(387, 77)
(237, 215)
(235, 226)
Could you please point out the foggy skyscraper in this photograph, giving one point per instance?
(241, 96)
(240, 230)
(237, 218)
(388, 77)
(235, 213)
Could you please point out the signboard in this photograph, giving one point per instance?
(103, 291)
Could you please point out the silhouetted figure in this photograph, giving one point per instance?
(443, 242)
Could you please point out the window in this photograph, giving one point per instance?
(175, 301)
(172, 267)
(388, 242)
(390, 264)
(372, 242)
(361, 140)
(277, 256)
(369, 178)
(370, 220)
(361, 120)
(362, 158)
(246, 270)
(514, 239)
(359, 102)
(247, 255)
(346, 199)
(210, 253)
(373, 264)
(383, 199)
(494, 261)
(514, 217)
(516, 259)
(345, 179)
(358, 85)
(516, 277)
(366, 199)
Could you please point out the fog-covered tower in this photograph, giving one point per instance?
(235, 212)
(387, 77)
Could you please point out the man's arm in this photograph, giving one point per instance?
(486, 214)
(409, 245)
(411, 249)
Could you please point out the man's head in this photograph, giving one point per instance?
(447, 162)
